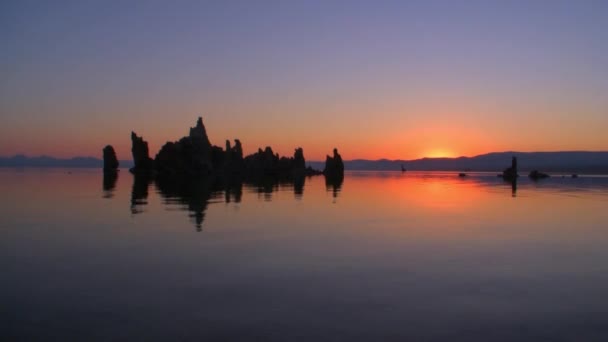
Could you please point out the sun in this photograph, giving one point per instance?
(439, 153)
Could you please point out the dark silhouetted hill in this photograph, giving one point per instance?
(46, 161)
(569, 162)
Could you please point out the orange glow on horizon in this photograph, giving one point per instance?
(438, 153)
(430, 138)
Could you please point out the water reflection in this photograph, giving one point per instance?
(457, 258)
(334, 185)
(109, 183)
(513, 183)
(437, 190)
(194, 195)
(139, 192)
(298, 187)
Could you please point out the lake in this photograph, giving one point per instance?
(383, 256)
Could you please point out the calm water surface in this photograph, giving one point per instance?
(384, 256)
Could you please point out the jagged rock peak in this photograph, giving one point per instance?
(199, 131)
(139, 149)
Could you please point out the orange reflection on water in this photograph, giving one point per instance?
(436, 192)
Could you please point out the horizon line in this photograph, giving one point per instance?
(353, 159)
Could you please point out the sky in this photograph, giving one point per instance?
(376, 79)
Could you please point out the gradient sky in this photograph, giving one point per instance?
(393, 79)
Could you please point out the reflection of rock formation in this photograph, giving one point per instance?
(141, 156)
(514, 188)
(298, 186)
(264, 186)
(334, 167)
(110, 162)
(233, 191)
(139, 192)
(194, 194)
(109, 183)
(334, 185)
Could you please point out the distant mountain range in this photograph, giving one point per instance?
(46, 161)
(569, 161)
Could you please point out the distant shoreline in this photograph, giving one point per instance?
(555, 162)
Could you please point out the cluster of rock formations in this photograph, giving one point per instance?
(510, 174)
(195, 156)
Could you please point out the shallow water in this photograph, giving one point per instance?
(383, 256)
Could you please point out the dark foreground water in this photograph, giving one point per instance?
(384, 256)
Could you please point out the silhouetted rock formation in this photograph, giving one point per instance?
(184, 157)
(199, 132)
(334, 167)
(232, 162)
(141, 155)
(194, 156)
(510, 173)
(262, 163)
(110, 162)
(536, 175)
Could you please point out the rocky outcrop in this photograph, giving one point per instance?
(536, 175)
(334, 166)
(510, 173)
(110, 162)
(199, 132)
(263, 162)
(194, 156)
(141, 156)
(233, 162)
(183, 157)
(267, 163)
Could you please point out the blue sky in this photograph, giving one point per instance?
(376, 78)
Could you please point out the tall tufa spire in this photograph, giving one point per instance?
(199, 132)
